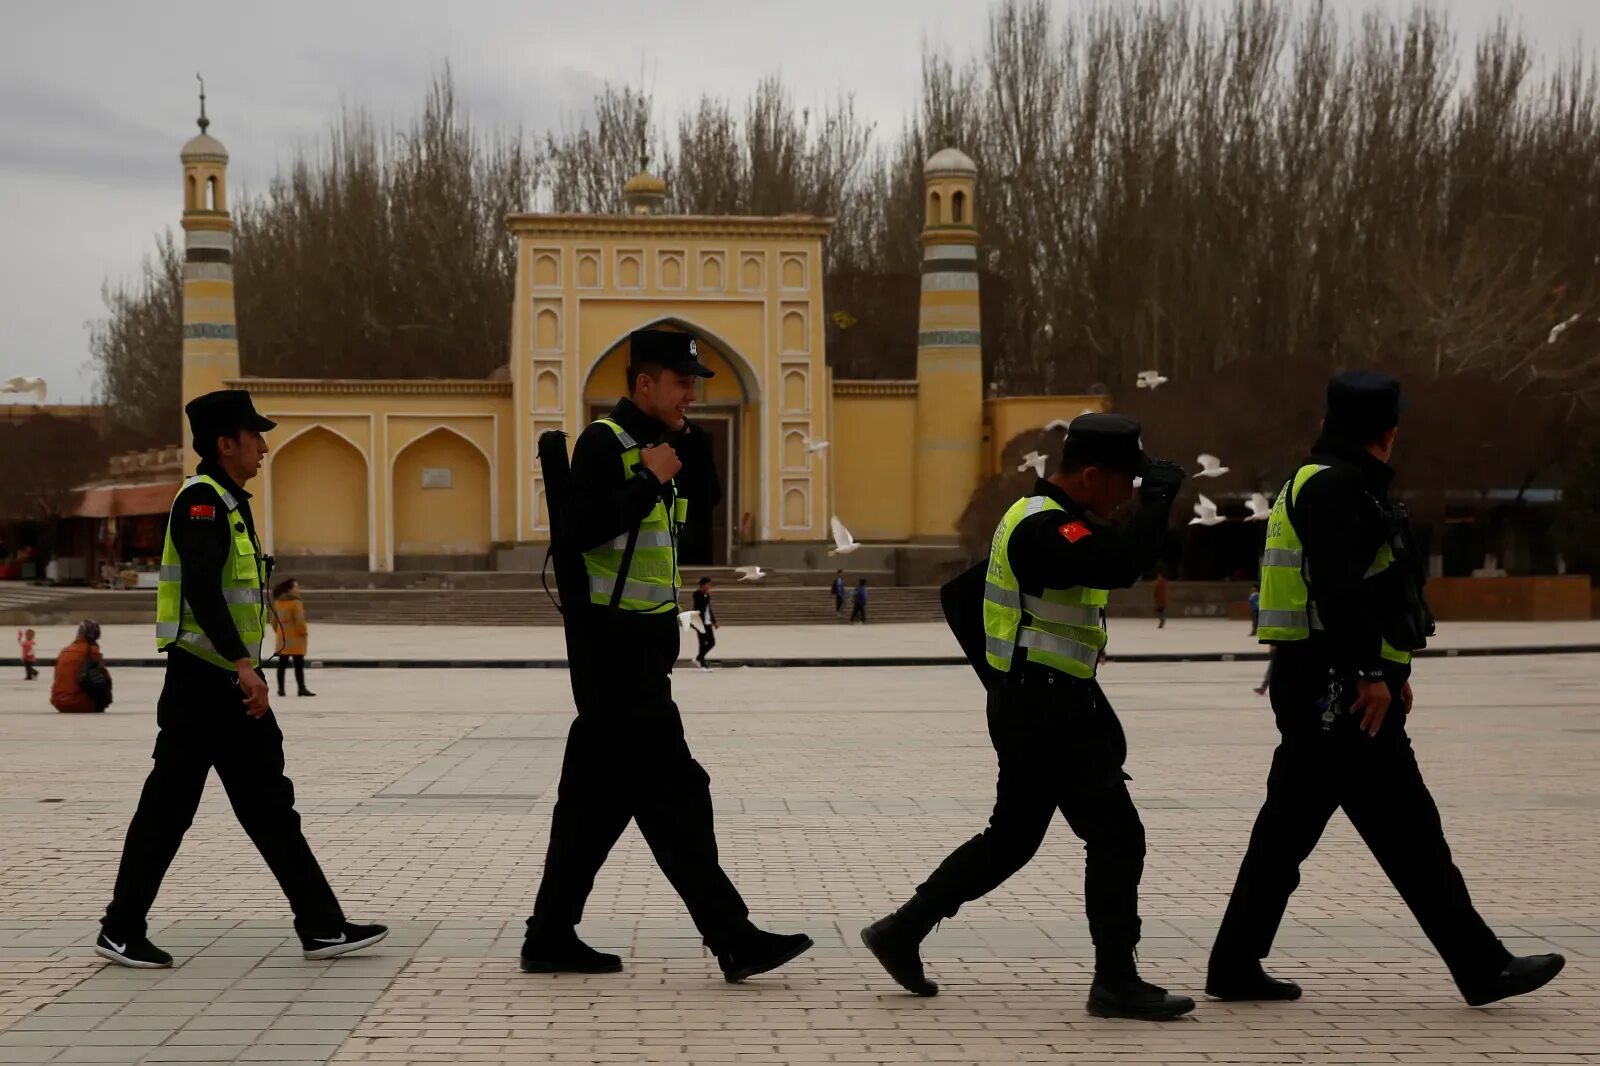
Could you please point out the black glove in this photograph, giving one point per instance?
(1162, 480)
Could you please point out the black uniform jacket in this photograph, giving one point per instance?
(1059, 550)
(1341, 522)
(201, 532)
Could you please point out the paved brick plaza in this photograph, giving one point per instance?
(428, 795)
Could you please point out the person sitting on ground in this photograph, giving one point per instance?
(82, 684)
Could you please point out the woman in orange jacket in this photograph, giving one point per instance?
(289, 623)
(67, 692)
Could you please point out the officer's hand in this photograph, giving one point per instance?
(254, 689)
(1372, 703)
(1162, 480)
(1406, 697)
(662, 461)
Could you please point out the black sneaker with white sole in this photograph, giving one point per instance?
(133, 951)
(347, 938)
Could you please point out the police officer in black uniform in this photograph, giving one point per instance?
(1059, 743)
(626, 756)
(1342, 697)
(210, 715)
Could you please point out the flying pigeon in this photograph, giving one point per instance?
(814, 446)
(843, 542)
(33, 385)
(1260, 508)
(1205, 513)
(750, 573)
(1210, 466)
(688, 620)
(1555, 333)
(1035, 460)
(1149, 379)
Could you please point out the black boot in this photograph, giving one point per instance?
(894, 941)
(1523, 973)
(1247, 982)
(757, 951)
(560, 951)
(303, 692)
(1118, 992)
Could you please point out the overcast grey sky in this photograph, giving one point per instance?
(97, 97)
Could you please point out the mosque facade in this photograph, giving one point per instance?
(442, 474)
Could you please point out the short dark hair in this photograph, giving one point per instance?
(648, 368)
(281, 589)
(863, 581)
(705, 581)
(206, 447)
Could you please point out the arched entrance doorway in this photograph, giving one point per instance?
(718, 454)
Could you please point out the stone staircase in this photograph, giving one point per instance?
(735, 605)
(24, 604)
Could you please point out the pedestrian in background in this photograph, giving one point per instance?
(289, 623)
(1161, 599)
(81, 683)
(858, 613)
(25, 638)
(708, 621)
(1255, 609)
(838, 592)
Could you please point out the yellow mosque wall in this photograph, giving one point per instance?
(344, 476)
(874, 435)
(1004, 417)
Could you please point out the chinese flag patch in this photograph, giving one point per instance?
(202, 510)
(1074, 531)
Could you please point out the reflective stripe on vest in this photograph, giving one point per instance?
(1286, 613)
(651, 583)
(1059, 628)
(242, 580)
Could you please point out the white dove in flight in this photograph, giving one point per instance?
(843, 542)
(1149, 379)
(1034, 460)
(33, 385)
(750, 573)
(814, 446)
(1260, 508)
(688, 620)
(1205, 513)
(1558, 330)
(1210, 466)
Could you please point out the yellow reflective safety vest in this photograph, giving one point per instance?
(243, 575)
(651, 583)
(1060, 628)
(1287, 611)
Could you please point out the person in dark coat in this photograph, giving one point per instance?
(627, 759)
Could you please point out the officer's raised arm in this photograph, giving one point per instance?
(607, 501)
(1064, 553)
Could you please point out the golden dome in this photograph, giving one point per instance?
(645, 183)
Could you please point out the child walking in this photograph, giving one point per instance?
(30, 669)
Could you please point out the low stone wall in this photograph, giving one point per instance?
(1511, 599)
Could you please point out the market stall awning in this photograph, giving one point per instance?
(144, 498)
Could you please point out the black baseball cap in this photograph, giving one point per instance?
(224, 412)
(1105, 440)
(673, 350)
(1364, 403)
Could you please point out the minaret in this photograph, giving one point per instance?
(644, 193)
(949, 424)
(210, 336)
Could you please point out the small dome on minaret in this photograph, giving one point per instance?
(202, 147)
(949, 161)
(644, 193)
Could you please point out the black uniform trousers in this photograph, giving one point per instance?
(1377, 782)
(1060, 747)
(203, 724)
(627, 760)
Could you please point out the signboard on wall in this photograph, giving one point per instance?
(436, 477)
